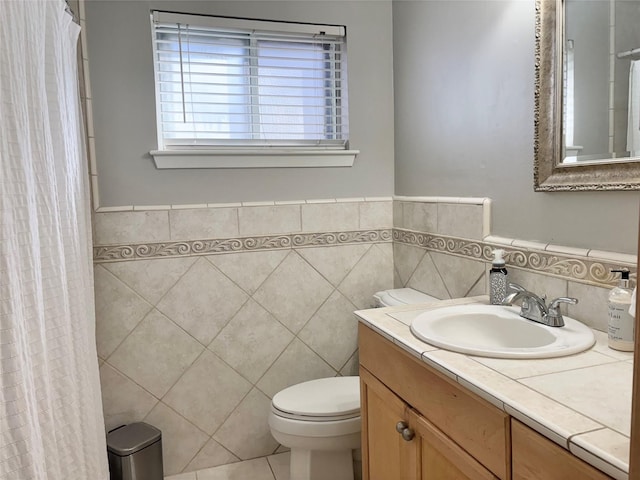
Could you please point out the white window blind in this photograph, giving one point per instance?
(227, 83)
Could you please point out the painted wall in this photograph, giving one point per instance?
(464, 100)
(119, 44)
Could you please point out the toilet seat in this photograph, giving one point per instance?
(322, 400)
(313, 418)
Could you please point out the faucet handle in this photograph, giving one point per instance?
(555, 304)
(554, 317)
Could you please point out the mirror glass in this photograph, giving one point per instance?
(601, 80)
(587, 96)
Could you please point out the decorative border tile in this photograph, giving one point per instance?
(575, 268)
(115, 253)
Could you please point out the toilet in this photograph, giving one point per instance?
(319, 421)
(401, 296)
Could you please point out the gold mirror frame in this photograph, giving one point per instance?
(549, 174)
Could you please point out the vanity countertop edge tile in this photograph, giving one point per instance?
(559, 421)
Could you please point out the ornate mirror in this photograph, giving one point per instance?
(587, 101)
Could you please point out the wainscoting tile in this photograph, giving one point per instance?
(459, 274)
(151, 278)
(426, 279)
(269, 220)
(330, 217)
(351, 368)
(375, 215)
(374, 272)
(246, 432)
(422, 217)
(293, 292)
(405, 259)
(298, 363)
(398, 220)
(123, 401)
(460, 220)
(212, 455)
(334, 263)
(480, 287)
(207, 393)
(181, 440)
(203, 301)
(591, 308)
(197, 223)
(248, 269)
(118, 310)
(156, 353)
(131, 227)
(333, 331)
(251, 341)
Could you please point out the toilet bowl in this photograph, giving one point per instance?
(401, 296)
(319, 421)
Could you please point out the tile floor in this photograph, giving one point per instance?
(274, 467)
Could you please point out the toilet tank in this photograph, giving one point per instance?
(401, 296)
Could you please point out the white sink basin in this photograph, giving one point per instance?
(500, 332)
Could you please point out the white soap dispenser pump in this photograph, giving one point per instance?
(497, 278)
(621, 323)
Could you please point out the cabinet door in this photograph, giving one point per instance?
(440, 458)
(535, 457)
(385, 454)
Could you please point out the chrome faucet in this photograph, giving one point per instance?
(533, 307)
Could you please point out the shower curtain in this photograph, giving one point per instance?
(51, 424)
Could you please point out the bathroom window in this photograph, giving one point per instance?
(246, 93)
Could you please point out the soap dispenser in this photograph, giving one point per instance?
(621, 323)
(497, 278)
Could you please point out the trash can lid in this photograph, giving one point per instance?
(132, 438)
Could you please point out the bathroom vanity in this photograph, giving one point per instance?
(433, 414)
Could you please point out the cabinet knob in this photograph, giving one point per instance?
(403, 429)
(408, 434)
(401, 426)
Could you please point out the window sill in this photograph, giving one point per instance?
(247, 158)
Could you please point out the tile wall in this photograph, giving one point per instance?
(203, 314)
(442, 246)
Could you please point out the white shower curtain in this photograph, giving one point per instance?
(51, 424)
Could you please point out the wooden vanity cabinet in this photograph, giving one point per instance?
(419, 424)
(536, 457)
(402, 444)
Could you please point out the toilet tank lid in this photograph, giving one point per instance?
(403, 296)
(324, 397)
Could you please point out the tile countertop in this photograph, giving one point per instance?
(582, 402)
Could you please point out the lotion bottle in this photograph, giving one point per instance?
(621, 323)
(497, 278)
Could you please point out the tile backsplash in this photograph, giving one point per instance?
(442, 246)
(204, 312)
